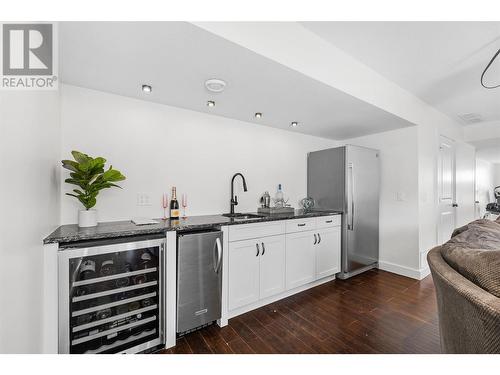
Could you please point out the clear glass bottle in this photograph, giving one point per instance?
(278, 198)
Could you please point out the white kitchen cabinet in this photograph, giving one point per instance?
(272, 266)
(327, 249)
(300, 259)
(256, 269)
(243, 274)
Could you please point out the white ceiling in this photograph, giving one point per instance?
(176, 58)
(440, 62)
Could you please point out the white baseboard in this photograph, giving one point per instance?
(403, 270)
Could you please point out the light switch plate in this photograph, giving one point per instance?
(143, 199)
(400, 196)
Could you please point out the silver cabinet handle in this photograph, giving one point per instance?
(301, 225)
(315, 239)
(263, 248)
(258, 250)
(329, 221)
(219, 255)
(319, 238)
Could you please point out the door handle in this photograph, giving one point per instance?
(350, 224)
(263, 248)
(219, 255)
(215, 256)
(315, 239)
(258, 250)
(319, 238)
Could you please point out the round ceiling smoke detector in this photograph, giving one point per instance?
(215, 85)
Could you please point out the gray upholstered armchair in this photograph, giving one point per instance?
(469, 314)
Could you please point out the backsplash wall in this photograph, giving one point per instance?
(158, 146)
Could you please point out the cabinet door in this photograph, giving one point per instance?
(327, 252)
(300, 259)
(243, 273)
(272, 266)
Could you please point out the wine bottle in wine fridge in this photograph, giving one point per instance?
(87, 270)
(174, 206)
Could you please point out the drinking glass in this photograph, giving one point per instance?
(184, 205)
(164, 204)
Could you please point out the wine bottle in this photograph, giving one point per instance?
(279, 199)
(123, 281)
(87, 270)
(103, 314)
(108, 267)
(174, 206)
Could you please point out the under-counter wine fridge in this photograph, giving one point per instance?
(111, 296)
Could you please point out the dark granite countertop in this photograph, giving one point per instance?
(115, 229)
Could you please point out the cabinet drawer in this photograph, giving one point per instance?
(247, 231)
(328, 221)
(300, 225)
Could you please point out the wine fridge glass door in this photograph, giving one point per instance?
(111, 298)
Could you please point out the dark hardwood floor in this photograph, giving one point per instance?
(375, 312)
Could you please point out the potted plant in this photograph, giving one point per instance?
(89, 175)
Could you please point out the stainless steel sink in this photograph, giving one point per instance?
(243, 216)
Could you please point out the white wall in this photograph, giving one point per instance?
(293, 45)
(485, 183)
(496, 175)
(399, 241)
(29, 153)
(157, 146)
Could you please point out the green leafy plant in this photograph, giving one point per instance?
(89, 175)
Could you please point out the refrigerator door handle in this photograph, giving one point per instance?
(350, 225)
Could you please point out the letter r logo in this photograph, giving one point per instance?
(27, 49)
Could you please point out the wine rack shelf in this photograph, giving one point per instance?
(114, 291)
(112, 304)
(113, 318)
(105, 348)
(114, 330)
(114, 277)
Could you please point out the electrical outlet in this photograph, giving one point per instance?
(143, 199)
(400, 196)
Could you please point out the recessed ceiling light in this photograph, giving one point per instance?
(147, 88)
(258, 115)
(215, 85)
(294, 124)
(211, 103)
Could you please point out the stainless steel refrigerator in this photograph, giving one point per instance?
(347, 179)
(199, 279)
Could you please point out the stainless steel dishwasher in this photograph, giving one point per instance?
(199, 279)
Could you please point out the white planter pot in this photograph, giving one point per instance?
(87, 218)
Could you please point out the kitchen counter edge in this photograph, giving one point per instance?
(116, 229)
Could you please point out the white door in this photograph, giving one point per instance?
(465, 187)
(328, 252)
(446, 189)
(243, 273)
(300, 259)
(272, 266)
